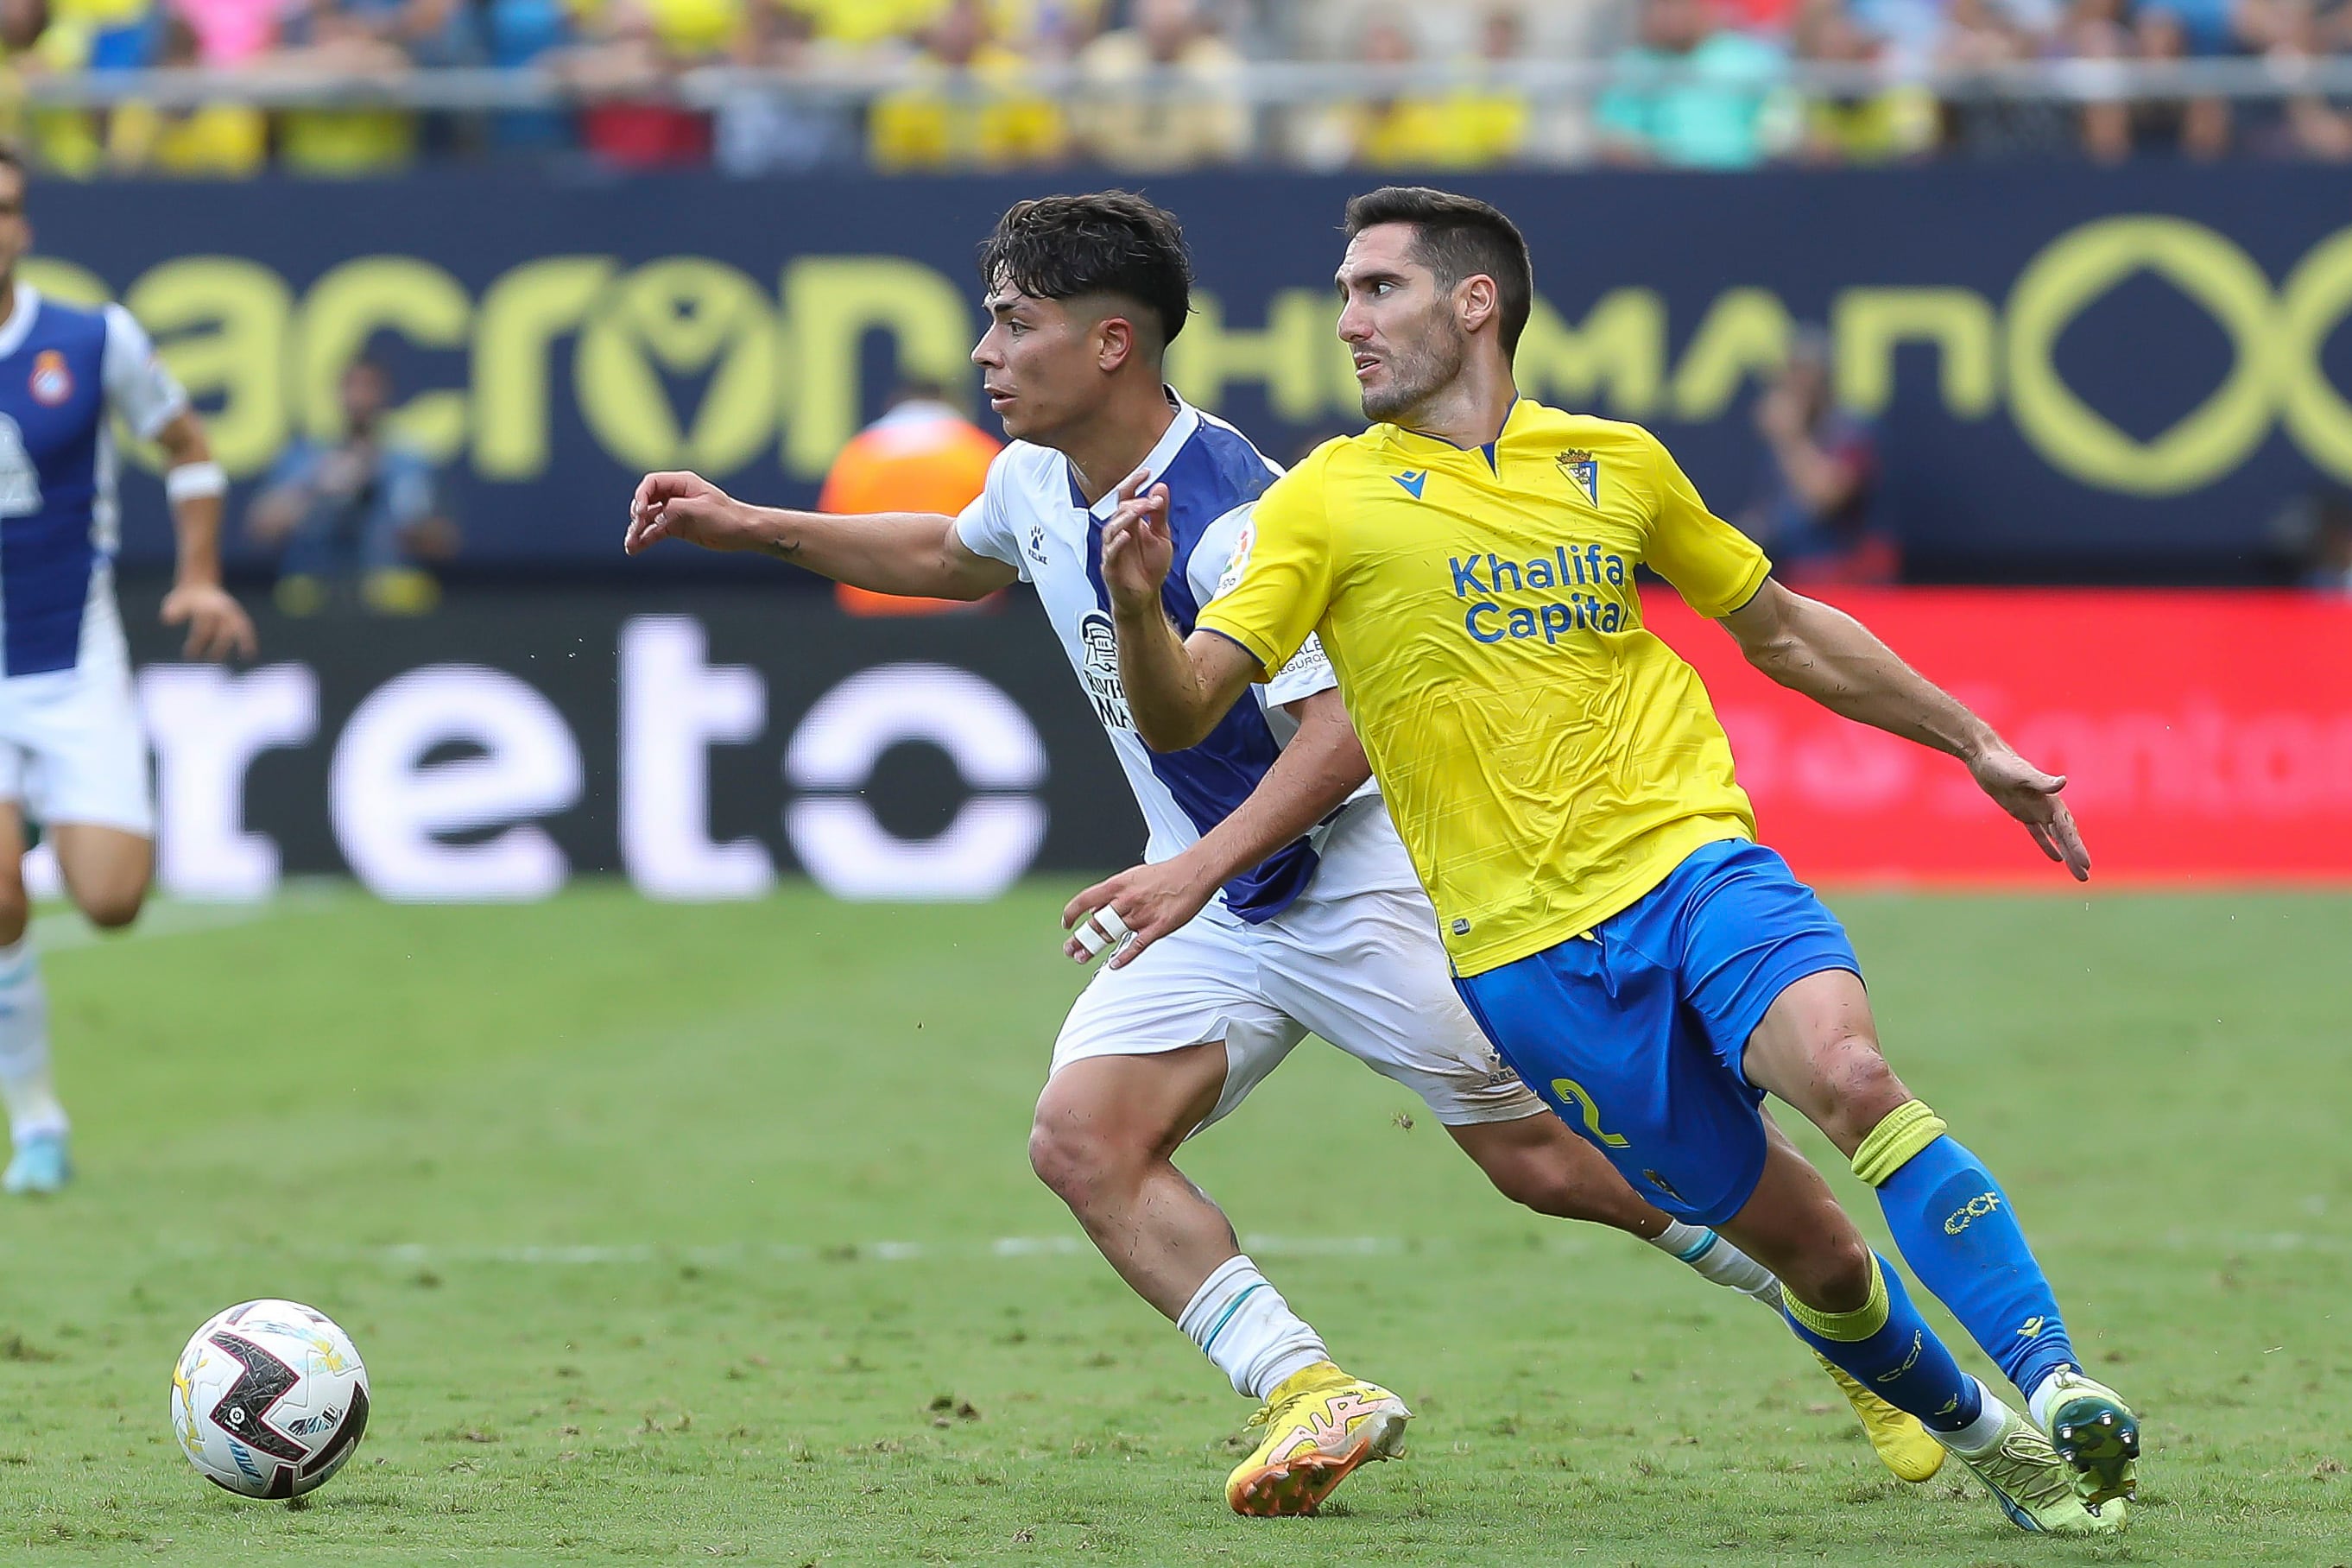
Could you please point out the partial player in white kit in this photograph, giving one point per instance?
(1275, 899)
(73, 757)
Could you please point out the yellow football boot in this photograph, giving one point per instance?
(1319, 1425)
(1902, 1445)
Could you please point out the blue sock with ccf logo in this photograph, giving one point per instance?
(1888, 1347)
(1956, 1229)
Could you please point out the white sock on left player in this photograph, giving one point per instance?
(25, 1084)
(1241, 1324)
(1713, 1258)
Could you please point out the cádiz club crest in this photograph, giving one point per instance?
(1581, 469)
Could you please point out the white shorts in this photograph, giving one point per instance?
(1364, 971)
(72, 749)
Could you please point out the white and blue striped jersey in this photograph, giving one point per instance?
(1032, 517)
(64, 370)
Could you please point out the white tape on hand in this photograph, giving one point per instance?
(1099, 930)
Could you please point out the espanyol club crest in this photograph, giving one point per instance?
(51, 382)
(1582, 470)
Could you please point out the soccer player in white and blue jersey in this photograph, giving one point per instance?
(1276, 899)
(72, 755)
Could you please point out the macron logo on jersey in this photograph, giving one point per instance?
(1413, 479)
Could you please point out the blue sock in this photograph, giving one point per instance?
(1889, 1348)
(1954, 1227)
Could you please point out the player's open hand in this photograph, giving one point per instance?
(1133, 910)
(217, 626)
(688, 507)
(1137, 549)
(2030, 796)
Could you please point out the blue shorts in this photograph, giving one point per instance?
(1634, 1032)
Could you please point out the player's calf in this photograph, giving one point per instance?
(1536, 1161)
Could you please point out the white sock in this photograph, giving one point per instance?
(31, 1097)
(2043, 1398)
(1241, 1324)
(1980, 1435)
(1716, 1259)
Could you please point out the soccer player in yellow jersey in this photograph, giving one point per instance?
(1569, 800)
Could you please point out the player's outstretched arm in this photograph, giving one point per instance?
(904, 553)
(1835, 659)
(194, 483)
(1177, 689)
(1323, 765)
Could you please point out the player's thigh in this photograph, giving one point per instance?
(1368, 974)
(85, 779)
(1197, 986)
(1596, 1027)
(1817, 1048)
(1773, 977)
(106, 870)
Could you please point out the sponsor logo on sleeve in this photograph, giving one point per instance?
(1100, 672)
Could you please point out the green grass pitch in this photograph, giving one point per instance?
(678, 1232)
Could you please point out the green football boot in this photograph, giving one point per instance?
(2036, 1487)
(2096, 1434)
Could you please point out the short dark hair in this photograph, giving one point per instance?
(1109, 242)
(1458, 237)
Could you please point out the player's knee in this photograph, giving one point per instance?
(13, 913)
(1075, 1162)
(1862, 1089)
(1836, 1274)
(111, 909)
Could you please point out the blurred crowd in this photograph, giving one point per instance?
(999, 84)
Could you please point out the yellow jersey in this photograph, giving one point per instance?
(1547, 759)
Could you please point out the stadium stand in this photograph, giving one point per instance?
(224, 87)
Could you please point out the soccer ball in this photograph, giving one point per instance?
(270, 1399)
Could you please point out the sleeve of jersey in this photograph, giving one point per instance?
(1713, 567)
(1216, 567)
(1281, 571)
(138, 387)
(1309, 672)
(986, 526)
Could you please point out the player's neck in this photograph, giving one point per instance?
(1113, 444)
(1469, 411)
(7, 296)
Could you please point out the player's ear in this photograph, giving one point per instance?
(1474, 301)
(1114, 343)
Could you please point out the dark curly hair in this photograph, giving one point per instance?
(1108, 242)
